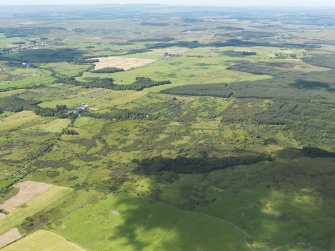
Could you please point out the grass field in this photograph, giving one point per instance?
(55, 126)
(17, 120)
(136, 224)
(26, 77)
(43, 240)
(119, 222)
(65, 68)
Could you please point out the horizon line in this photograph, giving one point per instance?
(318, 6)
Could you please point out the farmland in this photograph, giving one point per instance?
(169, 128)
(42, 240)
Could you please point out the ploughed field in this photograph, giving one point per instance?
(125, 129)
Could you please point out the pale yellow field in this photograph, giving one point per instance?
(43, 241)
(122, 62)
(9, 237)
(48, 199)
(28, 191)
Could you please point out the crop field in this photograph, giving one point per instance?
(43, 240)
(9, 237)
(122, 63)
(27, 191)
(167, 128)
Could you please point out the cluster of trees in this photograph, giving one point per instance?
(108, 83)
(143, 82)
(323, 60)
(231, 42)
(43, 55)
(239, 53)
(68, 131)
(108, 70)
(260, 68)
(312, 85)
(182, 164)
(285, 55)
(230, 28)
(15, 104)
(317, 152)
(60, 111)
(27, 31)
(162, 39)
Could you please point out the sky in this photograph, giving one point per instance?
(316, 3)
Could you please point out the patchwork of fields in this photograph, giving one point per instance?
(124, 129)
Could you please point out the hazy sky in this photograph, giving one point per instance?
(318, 3)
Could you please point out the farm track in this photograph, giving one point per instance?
(224, 220)
(167, 232)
